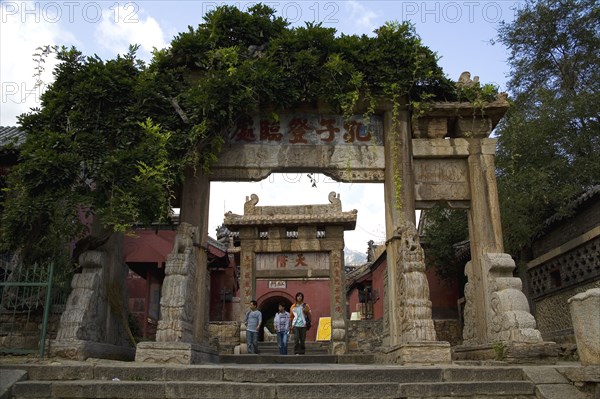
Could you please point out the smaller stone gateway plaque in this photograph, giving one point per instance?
(441, 179)
(292, 261)
(277, 284)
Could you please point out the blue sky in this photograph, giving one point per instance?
(458, 31)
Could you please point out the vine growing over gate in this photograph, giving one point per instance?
(112, 137)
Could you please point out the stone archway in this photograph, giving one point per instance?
(295, 242)
(444, 155)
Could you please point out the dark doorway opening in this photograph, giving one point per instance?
(269, 307)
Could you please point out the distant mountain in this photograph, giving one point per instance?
(354, 258)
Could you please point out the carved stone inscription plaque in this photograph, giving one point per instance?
(441, 179)
(292, 261)
(299, 129)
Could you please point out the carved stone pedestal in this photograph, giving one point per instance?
(339, 348)
(510, 352)
(81, 350)
(426, 352)
(175, 352)
(585, 314)
(339, 341)
(94, 322)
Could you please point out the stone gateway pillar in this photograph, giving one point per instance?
(412, 335)
(182, 332)
(454, 164)
(497, 310)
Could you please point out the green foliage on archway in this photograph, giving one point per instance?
(113, 137)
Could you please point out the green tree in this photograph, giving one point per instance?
(445, 229)
(89, 154)
(549, 142)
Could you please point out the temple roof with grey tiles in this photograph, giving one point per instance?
(11, 135)
(316, 214)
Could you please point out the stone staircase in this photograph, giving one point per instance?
(312, 348)
(110, 379)
(316, 352)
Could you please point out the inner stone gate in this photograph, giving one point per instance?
(295, 242)
(445, 155)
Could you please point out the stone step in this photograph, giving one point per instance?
(274, 373)
(245, 390)
(108, 379)
(267, 358)
(95, 378)
(311, 348)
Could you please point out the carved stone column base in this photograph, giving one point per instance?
(509, 352)
(175, 352)
(339, 348)
(81, 350)
(424, 352)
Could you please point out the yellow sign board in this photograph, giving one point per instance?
(324, 330)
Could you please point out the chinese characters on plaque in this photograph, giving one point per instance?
(293, 261)
(309, 129)
(277, 284)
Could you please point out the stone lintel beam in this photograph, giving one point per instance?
(451, 148)
(355, 174)
(449, 204)
(458, 119)
(287, 274)
(255, 162)
(494, 110)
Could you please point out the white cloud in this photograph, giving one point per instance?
(24, 26)
(364, 19)
(124, 25)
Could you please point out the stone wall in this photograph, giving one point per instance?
(566, 262)
(573, 268)
(224, 335)
(449, 330)
(23, 331)
(553, 315)
(365, 336)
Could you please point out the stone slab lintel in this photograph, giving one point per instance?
(425, 352)
(82, 350)
(175, 352)
(509, 352)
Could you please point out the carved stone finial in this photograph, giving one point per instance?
(186, 238)
(503, 96)
(250, 204)
(335, 201)
(465, 79)
(253, 199)
(333, 197)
